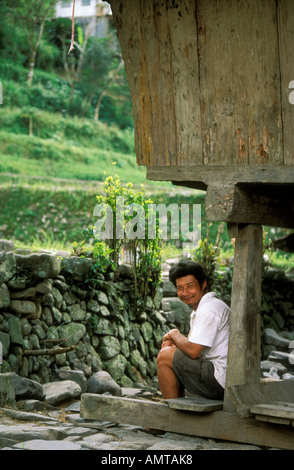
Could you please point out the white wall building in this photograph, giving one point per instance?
(85, 11)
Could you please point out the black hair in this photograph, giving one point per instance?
(186, 268)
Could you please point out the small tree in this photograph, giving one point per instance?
(33, 15)
(101, 66)
(146, 253)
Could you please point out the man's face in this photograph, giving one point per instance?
(189, 290)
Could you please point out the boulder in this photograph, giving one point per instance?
(102, 326)
(7, 266)
(58, 392)
(27, 388)
(41, 444)
(73, 332)
(180, 311)
(23, 432)
(102, 297)
(15, 330)
(4, 344)
(109, 347)
(30, 292)
(4, 296)
(147, 331)
(7, 392)
(6, 245)
(40, 265)
(272, 337)
(102, 382)
(116, 366)
(168, 289)
(26, 307)
(78, 268)
(76, 312)
(77, 376)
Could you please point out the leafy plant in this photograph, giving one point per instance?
(99, 251)
(207, 254)
(129, 233)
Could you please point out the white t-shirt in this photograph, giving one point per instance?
(209, 326)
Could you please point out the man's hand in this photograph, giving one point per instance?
(167, 343)
(168, 339)
(176, 339)
(171, 334)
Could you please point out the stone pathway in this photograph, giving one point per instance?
(62, 428)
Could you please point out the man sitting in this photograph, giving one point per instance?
(197, 363)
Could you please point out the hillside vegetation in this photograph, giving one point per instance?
(56, 146)
(44, 142)
(73, 148)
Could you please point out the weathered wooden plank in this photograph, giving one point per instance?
(286, 36)
(279, 411)
(218, 424)
(245, 396)
(240, 87)
(243, 364)
(274, 420)
(204, 80)
(196, 404)
(159, 47)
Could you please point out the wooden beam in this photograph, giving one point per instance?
(280, 412)
(244, 337)
(246, 396)
(217, 425)
(250, 204)
(252, 195)
(217, 174)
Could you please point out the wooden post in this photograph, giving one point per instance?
(244, 340)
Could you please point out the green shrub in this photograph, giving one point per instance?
(145, 253)
(14, 94)
(49, 100)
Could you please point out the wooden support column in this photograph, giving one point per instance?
(244, 340)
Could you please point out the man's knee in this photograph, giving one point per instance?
(165, 356)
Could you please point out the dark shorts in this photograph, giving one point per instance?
(197, 376)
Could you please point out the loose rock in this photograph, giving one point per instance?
(102, 382)
(58, 392)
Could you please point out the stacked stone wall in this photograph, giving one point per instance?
(54, 317)
(48, 303)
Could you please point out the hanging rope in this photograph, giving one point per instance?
(71, 48)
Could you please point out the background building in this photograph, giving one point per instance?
(85, 12)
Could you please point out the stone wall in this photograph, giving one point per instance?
(47, 303)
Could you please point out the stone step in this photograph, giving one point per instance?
(197, 404)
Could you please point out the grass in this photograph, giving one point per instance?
(45, 241)
(64, 158)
